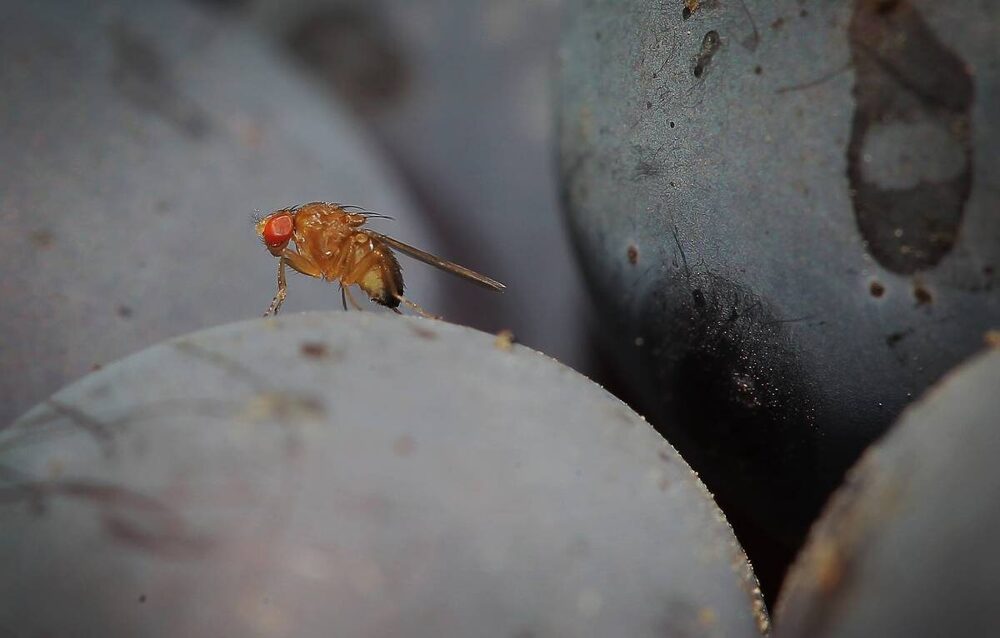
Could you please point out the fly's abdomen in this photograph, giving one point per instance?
(383, 282)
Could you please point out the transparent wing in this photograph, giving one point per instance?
(437, 262)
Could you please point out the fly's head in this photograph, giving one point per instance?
(275, 230)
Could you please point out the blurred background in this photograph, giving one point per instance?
(140, 138)
(785, 212)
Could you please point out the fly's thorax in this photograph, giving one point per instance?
(321, 238)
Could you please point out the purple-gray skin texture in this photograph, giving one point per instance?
(789, 213)
(908, 547)
(356, 474)
(136, 141)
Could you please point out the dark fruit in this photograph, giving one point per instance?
(788, 215)
(907, 547)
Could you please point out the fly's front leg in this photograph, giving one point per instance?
(298, 262)
(279, 297)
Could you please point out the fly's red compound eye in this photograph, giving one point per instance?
(278, 230)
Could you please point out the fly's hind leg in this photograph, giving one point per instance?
(414, 306)
(345, 295)
(279, 297)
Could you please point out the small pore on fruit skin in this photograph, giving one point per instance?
(922, 295)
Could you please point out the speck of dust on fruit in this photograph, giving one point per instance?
(284, 407)
(504, 340)
(828, 565)
(690, 6)
(632, 254)
(876, 289)
(992, 338)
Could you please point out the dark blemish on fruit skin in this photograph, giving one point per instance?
(42, 238)
(124, 311)
(709, 46)
(142, 598)
(404, 446)
(649, 164)
(876, 289)
(699, 298)
(893, 339)
(922, 295)
(424, 333)
(722, 382)
(632, 254)
(907, 80)
(314, 349)
(128, 517)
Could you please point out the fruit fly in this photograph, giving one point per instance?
(331, 243)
